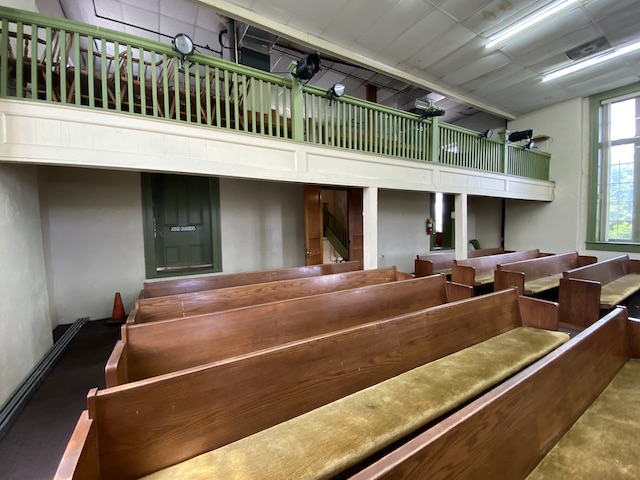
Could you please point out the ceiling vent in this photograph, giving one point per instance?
(589, 49)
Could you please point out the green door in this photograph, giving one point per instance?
(181, 225)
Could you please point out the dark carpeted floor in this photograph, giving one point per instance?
(33, 446)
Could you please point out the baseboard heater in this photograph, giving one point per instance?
(17, 401)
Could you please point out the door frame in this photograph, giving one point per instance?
(150, 259)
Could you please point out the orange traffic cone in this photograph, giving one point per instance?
(118, 315)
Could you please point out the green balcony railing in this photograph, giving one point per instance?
(60, 61)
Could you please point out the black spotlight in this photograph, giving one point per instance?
(307, 67)
(522, 135)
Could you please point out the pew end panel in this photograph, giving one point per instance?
(81, 460)
(403, 276)
(458, 291)
(539, 313)
(423, 268)
(584, 260)
(634, 335)
(463, 274)
(117, 366)
(579, 302)
(504, 279)
(506, 432)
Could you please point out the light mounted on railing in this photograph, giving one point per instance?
(183, 45)
(521, 135)
(486, 134)
(427, 109)
(336, 91)
(307, 67)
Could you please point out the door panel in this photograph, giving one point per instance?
(182, 222)
(313, 225)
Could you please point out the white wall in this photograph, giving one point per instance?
(554, 226)
(25, 326)
(484, 218)
(401, 228)
(92, 221)
(561, 225)
(262, 225)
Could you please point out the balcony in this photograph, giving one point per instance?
(66, 63)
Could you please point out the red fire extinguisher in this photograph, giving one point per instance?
(429, 226)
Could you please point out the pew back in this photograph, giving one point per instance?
(440, 262)
(472, 270)
(155, 348)
(507, 431)
(144, 426)
(605, 271)
(211, 282)
(198, 303)
(516, 274)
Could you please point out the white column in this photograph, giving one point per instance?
(370, 226)
(461, 225)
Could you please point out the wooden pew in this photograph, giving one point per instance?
(150, 349)
(441, 262)
(142, 427)
(211, 282)
(209, 301)
(479, 271)
(512, 429)
(587, 292)
(538, 275)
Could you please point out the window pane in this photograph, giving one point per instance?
(620, 205)
(623, 119)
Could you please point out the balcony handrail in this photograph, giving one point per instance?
(87, 66)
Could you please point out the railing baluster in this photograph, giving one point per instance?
(4, 60)
(19, 60)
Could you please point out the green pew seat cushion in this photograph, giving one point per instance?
(620, 289)
(542, 284)
(329, 439)
(603, 443)
(484, 279)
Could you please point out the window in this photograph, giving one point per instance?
(615, 170)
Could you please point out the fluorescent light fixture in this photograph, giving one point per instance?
(529, 21)
(591, 62)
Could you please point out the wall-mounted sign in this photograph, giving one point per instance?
(187, 228)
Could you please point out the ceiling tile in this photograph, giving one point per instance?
(557, 46)
(141, 18)
(475, 69)
(150, 5)
(500, 84)
(461, 9)
(208, 18)
(414, 38)
(546, 32)
(402, 15)
(598, 9)
(356, 18)
(275, 10)
(180, 10)
(442, 46)
(170, 26)
(320, 15)
(469, 52)
(500, 14)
